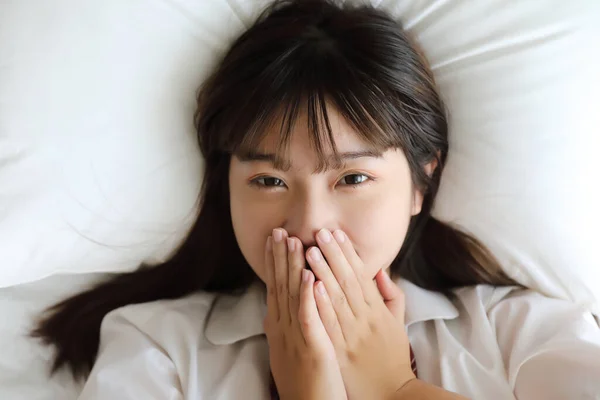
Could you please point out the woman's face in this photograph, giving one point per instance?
(371, 198)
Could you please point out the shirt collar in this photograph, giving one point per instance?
(235, 318)
(425, 305)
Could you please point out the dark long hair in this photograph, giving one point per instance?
(299, 53)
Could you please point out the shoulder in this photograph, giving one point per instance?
(157, 319)
(494, 297)
(507, 307)
(190, 346)
(485, 296)
(549, 347)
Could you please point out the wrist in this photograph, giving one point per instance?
(405, 390)
(416, 389)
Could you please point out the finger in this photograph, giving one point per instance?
(329, 316)
(347, 248)
(272, 304)
(296, 265)
(337, 297)
(281, 272)
(393, 296)
(368, 289)
(343, 272)
(311, 326)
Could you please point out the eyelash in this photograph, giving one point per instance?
(254, 182)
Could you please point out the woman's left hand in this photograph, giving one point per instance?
(364, 320)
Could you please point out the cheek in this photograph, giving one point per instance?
(251, 225)
(378, 231)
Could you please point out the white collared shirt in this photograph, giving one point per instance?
(489, 343)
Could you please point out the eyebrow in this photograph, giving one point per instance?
(256, 156)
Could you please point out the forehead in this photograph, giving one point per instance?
(305, 144)
(304, 136)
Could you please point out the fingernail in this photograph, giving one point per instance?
(277, 235)
(314, 254)
(321, 287)
(305, 275)
(324, 236)
(291, 244)
(339, 236)
(269, 243)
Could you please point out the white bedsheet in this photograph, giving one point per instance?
(24, 363)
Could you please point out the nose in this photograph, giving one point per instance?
(307, 215)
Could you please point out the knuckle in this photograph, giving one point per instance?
(316, 359)
(327, 322)
(301, 314)
(351, 356)
(362, 274)
(355, 343)
(344, 282)
(280, 289)
(293, 297)
(330, 323)
(339, 299)
(306, 325)
(373, 327)
(304, 319)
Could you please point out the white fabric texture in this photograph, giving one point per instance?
(99, 167)
(489, 344)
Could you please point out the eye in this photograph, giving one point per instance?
(267, 182)
(354, 179)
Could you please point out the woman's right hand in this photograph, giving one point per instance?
(302, 357)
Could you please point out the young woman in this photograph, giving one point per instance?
(315, 269)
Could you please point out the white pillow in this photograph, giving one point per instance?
(100, 171)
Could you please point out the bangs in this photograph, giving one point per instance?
(302, 59)
(282, 118)
(305, 79)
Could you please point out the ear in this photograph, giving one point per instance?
(418, 194)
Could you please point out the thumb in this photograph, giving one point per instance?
(393, 297)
